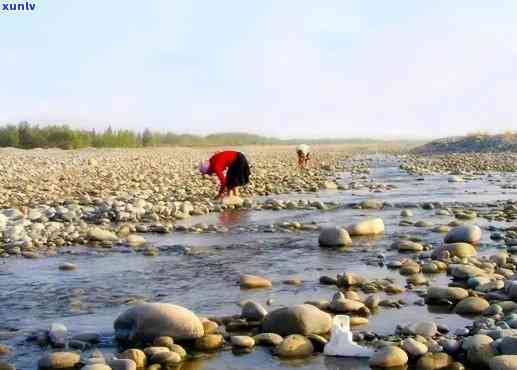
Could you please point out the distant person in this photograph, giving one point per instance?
(237, 174)
(304, 152)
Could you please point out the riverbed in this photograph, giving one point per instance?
(200, 270)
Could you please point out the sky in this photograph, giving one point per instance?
(284, 68)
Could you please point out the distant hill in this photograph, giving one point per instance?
(480, 143)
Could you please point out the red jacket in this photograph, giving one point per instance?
(219, 162)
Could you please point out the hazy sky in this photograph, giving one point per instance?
(290, 68)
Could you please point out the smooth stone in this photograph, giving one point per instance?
(508, 346)
(67, 266)
(388, 356)
(242, 341)
(253, 311)
(301, 319)
(424, 328)
(163, 342)
(505, 362)
(463, 234)
(373, 226)
(122, 364)
(146, 321)
(268, 339)
(59, 360)
(413, 347)
(295, 346)
(210, 342)
(135, 355)
(334, 237)
(471, 305)
(253, 282)
(101, 235)
(434, 361)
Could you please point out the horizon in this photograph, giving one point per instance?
(290, 70)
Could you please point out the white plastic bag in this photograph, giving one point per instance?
(341, 340)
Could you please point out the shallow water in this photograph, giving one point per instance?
(34, 293)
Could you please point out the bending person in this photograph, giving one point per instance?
(237, 174)
(303, 152)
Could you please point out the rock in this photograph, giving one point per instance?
(242, 341)
(334, 237)
(407, 246)
(406, 213)
(59, 360)
(464, 272)
(301, 319)
(146, 321)
(96, 367)
(253, 311)
(253, 282)
(57, 335)
(505, 362)
(461, 250)
(101, 235)
(67, 266)
(210, 342)
(508, 346)
(330, 185)
(455, 179)
(424, 328)
(166, 358)
(135, 355)
(372, 301)
(268, 339)
(471, 306)
(479, 349)
(389, 356)
(464, 234)
(6, 366)
(135, 240)
(232, 200)
(350, 279)
(434, 361)
(210, 327)
(164, 341)
(413, 347)
(122, 364)
(372, 204)
(373, 226)
(179, 350)
(342, 305)
(295, 346)
(5, 350)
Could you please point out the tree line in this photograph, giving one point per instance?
(29, 136)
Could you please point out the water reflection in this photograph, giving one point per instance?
(230, 218)
(345, 363)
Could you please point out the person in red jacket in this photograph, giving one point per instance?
(237, 174)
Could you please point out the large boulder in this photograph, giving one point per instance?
(334, 237)
(373, 226)
(301, 319)
(464, 234)
(389, 356)
(144, 322)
